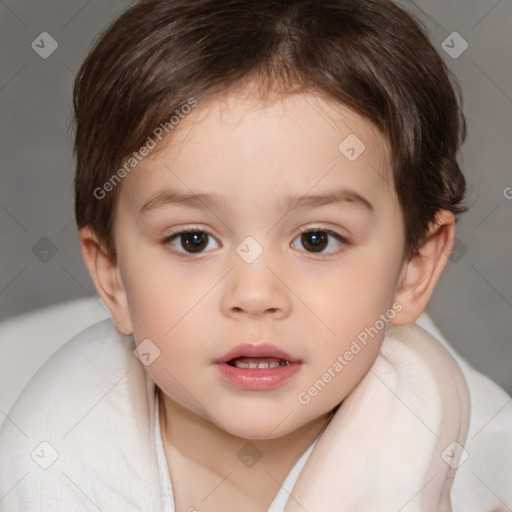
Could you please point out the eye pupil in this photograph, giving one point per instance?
(315, 241)
(194, 241)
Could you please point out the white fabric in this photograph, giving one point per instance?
(163, 469)
(40, 333)
(93, 404)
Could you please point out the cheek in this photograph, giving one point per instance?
(350, 296)
(162, 292)
(354, 304)
(184, 354)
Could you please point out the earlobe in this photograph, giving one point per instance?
(421, 272)
(107, 279)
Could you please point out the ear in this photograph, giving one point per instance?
(421, 272)
(107, 279)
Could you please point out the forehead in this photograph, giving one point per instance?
(238, 143)
(297, 116)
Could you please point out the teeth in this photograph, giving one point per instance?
(240, 363)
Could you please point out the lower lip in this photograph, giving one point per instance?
(258, 378)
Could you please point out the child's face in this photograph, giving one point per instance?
(196, 307)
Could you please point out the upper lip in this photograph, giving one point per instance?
(251, 350)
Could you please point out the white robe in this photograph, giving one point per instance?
(423, 431)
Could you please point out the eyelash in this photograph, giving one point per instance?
(341, 239)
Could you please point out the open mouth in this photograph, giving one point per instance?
(255, 363)
(257, 367)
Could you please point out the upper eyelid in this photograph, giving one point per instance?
(320, 228)
(196, 229)
(190, 230)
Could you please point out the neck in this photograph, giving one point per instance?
(211, 468)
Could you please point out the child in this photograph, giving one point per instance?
(266, 196)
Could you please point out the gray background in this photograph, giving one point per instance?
(473, 302)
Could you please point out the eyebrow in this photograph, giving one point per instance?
(215, 201)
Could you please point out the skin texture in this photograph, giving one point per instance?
(196, 307)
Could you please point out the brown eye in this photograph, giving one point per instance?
(317, 240)
(192, 242)
(314, 241)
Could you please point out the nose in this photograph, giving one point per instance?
(256, 289)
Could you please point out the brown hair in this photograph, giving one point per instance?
(369, 55)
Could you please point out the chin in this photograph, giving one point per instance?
(257, 426)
